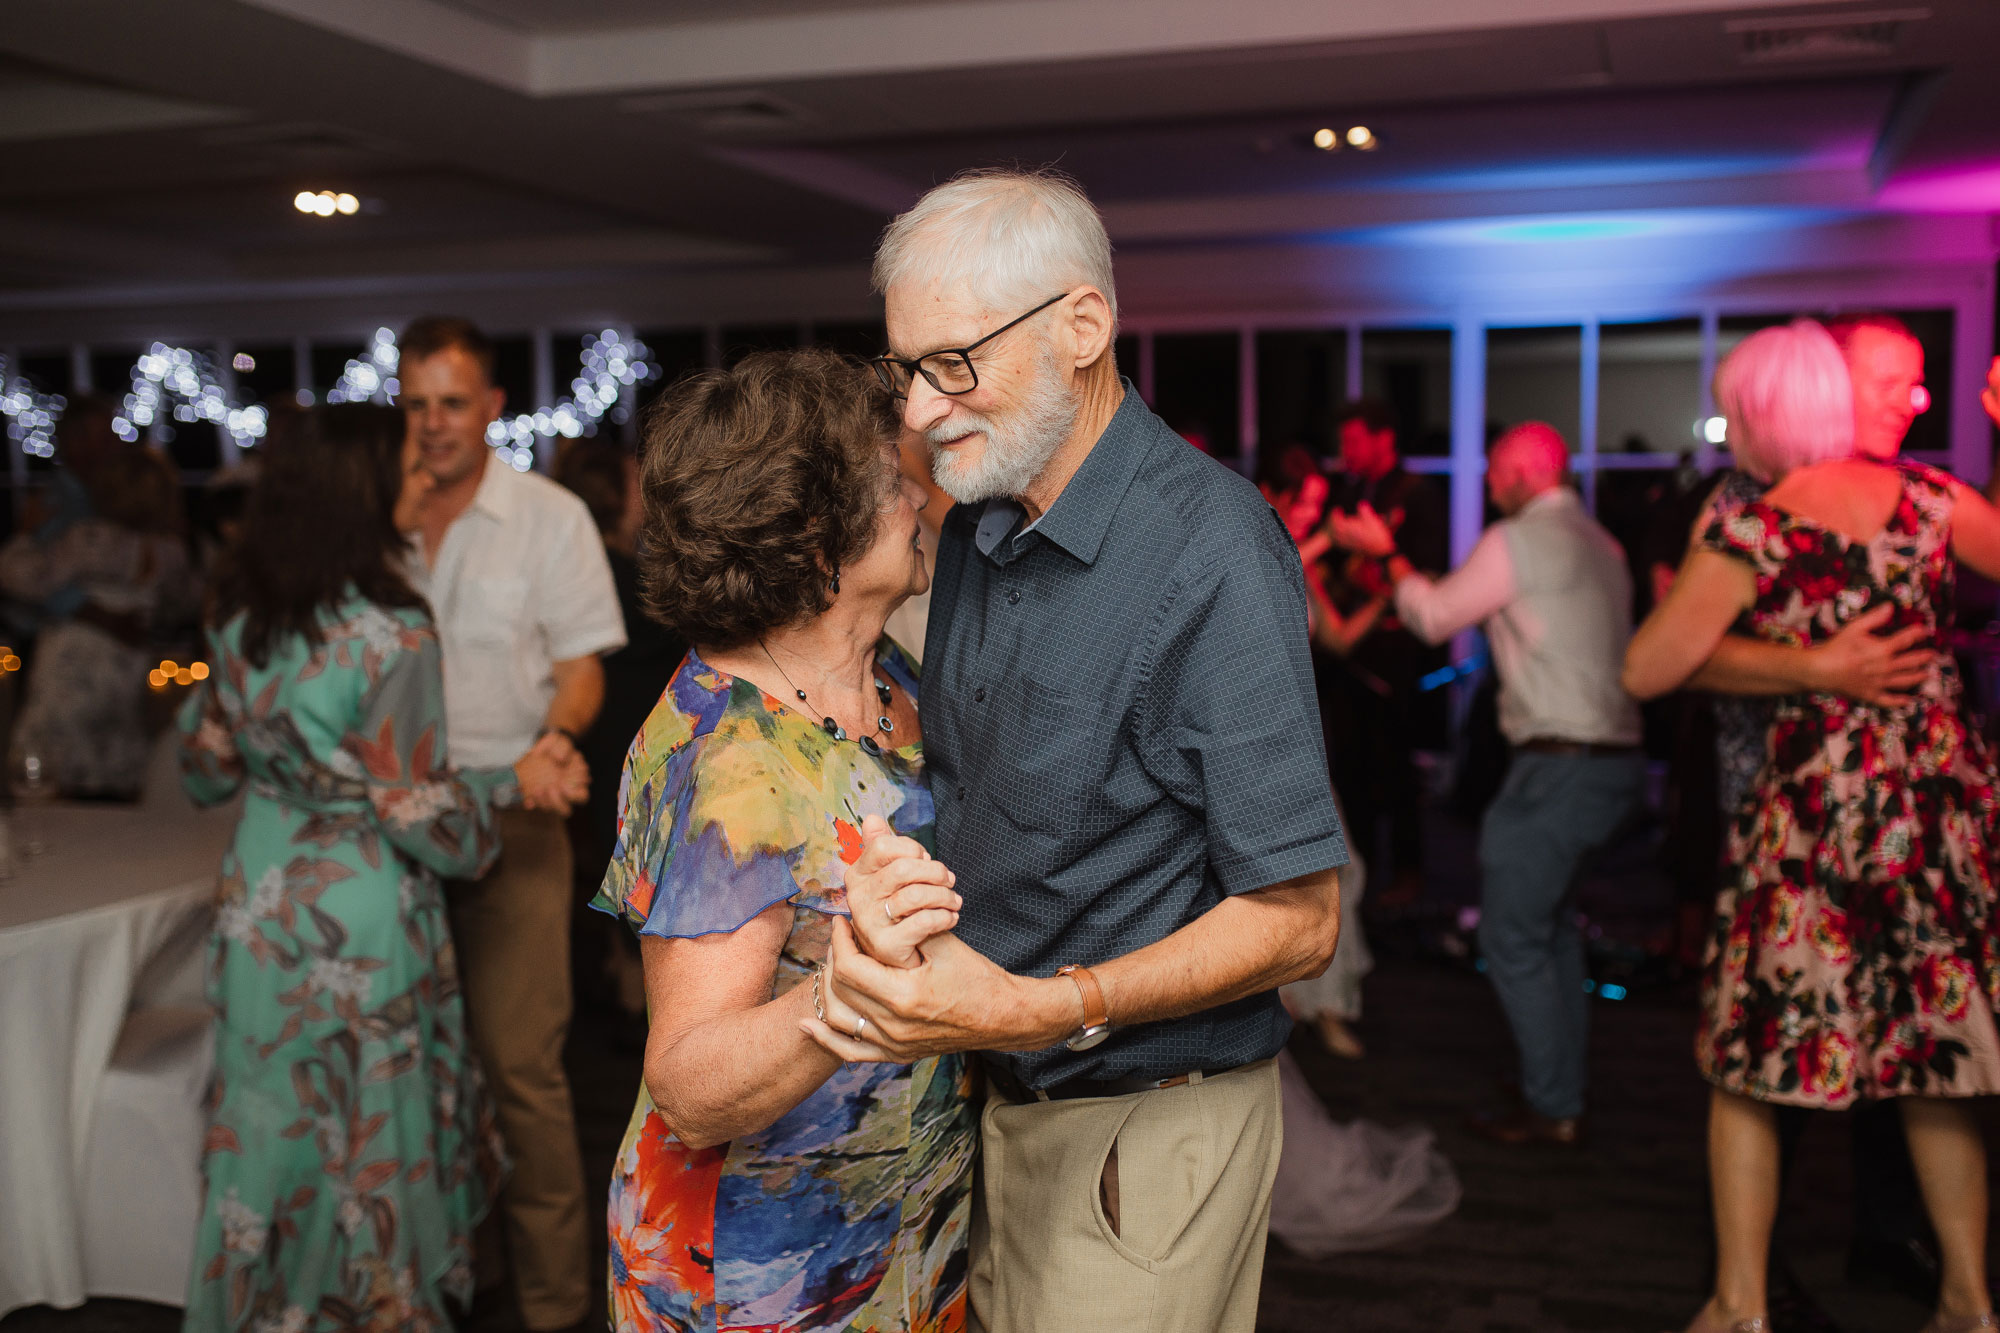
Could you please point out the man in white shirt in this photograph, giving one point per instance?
(1551, 589)
(517, 579)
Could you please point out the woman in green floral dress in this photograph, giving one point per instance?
(350, 1147)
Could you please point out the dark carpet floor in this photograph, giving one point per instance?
(1610, 1238)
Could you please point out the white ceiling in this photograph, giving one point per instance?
(635, 144)
(540, 17)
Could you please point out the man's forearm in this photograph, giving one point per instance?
(579, 695)
(1745, 665)
(1246, 944)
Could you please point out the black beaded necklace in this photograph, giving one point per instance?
(883, 726)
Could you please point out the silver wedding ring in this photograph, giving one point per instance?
(860, 1026)
(888, 915)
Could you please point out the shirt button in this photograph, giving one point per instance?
(961, 793)
(979, 695)
(1013, 596)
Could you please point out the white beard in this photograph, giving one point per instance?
(1018, 446)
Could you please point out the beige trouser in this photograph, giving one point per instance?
(1194, 1171)
(512, 933)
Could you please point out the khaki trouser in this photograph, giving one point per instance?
(512, 933)
(1193, 1190)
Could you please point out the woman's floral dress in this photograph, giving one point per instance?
(350, 1148)
(851, 1211)
(1854, 953)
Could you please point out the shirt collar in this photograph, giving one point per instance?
(495, 496)
(1081, 516)
(1560, 495)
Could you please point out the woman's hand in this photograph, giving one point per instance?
(552, 777)
(897, 895)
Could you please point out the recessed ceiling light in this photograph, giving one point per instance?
(325, 203)
(1326, 140)
(1362, 137)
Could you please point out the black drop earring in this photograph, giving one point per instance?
(834, 587)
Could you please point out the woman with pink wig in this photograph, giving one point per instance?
(1854, 954)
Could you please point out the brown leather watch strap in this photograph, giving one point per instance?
(1095, 1015)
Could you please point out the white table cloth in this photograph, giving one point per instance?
(113, 915)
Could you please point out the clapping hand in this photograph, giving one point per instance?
(1364, 531)
(1989, 397)
(897, 895)
(553, 775)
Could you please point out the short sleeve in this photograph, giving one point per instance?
(576, 597)
(1750, 532)
(729, 825)
(1230, 718)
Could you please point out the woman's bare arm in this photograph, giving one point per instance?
(723, 1058)
(1683, 631)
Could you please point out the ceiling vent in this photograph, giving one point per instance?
(1863, 35)
(722, 112)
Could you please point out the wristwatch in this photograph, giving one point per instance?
(1096, 1019)
(563, 732)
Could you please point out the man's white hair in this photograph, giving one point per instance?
(1005, 236)
(1787, 398)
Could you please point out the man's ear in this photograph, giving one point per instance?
(1091, 325)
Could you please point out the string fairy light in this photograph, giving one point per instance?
(370, 378)
(31, 414)
(184, 382)
(610, 365)
(187, 379)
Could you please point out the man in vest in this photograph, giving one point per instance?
(1551, 590)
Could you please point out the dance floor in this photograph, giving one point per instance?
(1608, 1239)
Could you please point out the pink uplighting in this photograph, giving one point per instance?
(1973, 188)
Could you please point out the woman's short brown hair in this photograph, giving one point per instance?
(759, 483)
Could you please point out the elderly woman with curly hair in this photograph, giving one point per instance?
(762, 1182)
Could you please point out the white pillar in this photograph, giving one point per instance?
(545, 396)
(1972, 355)
(1246, 397)
(1704, 452)
(1468, 434)
(1586, 422)
(302, 371)
(225, 375)
(17, 457)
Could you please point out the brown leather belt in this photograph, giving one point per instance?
(1018, 1092)
(1588, 749)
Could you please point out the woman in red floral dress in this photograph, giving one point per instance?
(1854, 954)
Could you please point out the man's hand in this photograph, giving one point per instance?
(1364, 530)
(1873, 668)
(955, 999)
(897, 895)
(1989, 397)
(553, 775)
(418, 484)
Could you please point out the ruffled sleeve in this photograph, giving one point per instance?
(722, 829)
(1751, 533)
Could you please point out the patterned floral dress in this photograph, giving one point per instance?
(350, 1147)
(851, 1211)
(1854, 954)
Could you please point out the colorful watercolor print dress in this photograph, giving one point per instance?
(850, 1212)
(1854, 953)
(350, 1148)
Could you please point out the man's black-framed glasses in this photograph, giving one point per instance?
(950, 371)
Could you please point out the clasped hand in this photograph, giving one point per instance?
(899, 985)
(552, 775)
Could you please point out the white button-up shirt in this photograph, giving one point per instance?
(1551, 589)
(520, 583)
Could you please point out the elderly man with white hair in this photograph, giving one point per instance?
(1123, 744)
(1550, 588)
